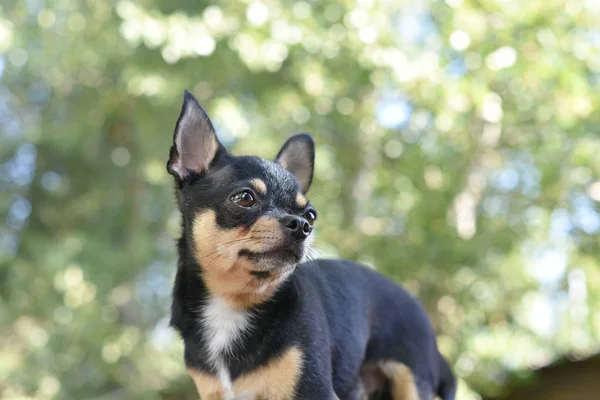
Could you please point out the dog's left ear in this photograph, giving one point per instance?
(298, 156)
(195, 143)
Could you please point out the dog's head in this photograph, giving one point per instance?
(246, 220)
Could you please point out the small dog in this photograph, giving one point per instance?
(259, 324)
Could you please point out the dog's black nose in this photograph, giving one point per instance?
(299, 227)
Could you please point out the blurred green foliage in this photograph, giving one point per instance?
(458, 151)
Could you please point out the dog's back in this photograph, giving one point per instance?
(376, 325)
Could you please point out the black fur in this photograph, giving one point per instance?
(340, 314)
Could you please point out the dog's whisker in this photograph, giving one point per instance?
(247, 284)
(231, 243)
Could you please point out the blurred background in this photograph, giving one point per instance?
(457, 151)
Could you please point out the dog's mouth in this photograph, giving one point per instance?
(286, 254)
(260, 274)
(268, 261)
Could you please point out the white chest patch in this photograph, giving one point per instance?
(223, 325)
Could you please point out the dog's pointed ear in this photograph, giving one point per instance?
(195, 143)
(298, 156)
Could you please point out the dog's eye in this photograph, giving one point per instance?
(244, 199)
(310, 216)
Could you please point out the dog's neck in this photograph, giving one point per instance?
(224, 328)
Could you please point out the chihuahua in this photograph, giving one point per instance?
(259, 323)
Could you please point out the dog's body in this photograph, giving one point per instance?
(257, 324)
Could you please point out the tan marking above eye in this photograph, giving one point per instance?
(301, 200)
(259, 185)
(276, 380)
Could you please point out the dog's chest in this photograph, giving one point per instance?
(223, 325)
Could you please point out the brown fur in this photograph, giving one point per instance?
(301, 200)
(276, 380)
(372, 379)
(226, 274)
(401, 380)
(259, 185)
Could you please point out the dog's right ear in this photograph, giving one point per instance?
(195, 143)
